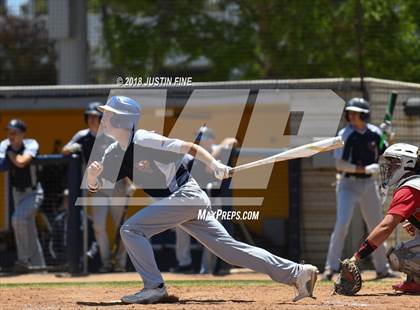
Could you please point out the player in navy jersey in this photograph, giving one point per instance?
(83, 141)
(357, 163)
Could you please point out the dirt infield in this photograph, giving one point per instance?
(239, 291)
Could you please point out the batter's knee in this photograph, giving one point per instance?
(126, 230)
(123, 232)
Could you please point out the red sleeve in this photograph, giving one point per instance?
(404, 202)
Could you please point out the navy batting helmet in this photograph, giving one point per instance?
(17, 124)
(126, 112)
(92, 109)
(358, 105)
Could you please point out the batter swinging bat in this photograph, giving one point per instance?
(294, 153)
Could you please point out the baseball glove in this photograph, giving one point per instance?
(349, 282)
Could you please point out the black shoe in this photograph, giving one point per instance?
(222, 272)
(105, 269)
(21, 267)
(182, 269)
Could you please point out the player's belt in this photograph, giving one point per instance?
(357, 175)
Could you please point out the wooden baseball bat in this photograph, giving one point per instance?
(294, 153)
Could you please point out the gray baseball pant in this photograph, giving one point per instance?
(29, 250)
(183, 251)
(181, 209)
(352, 191)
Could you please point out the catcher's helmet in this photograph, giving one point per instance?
(92, 109)
(126, 112)
(358, 105)
(397, 161)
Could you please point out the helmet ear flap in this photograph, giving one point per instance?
(364, 116)
(123, 121)
(86, 115)
(116, 120)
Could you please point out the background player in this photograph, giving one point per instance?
(16, 154)
(83, 141)
(206, 180)
(357, 163)
(400, 168)
(156, 162)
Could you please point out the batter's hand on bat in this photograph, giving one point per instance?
(372, 169)
(386, 128)
(220, 170)
(94, 170)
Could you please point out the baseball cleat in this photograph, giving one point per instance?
(407, 287)
(305, 282)
(146, 296)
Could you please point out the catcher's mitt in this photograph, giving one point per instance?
(349, 282)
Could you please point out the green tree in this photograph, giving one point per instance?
(26, 55)
(247, 39)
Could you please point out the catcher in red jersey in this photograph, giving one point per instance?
(399, 167)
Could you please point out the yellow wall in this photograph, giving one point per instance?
(46, 126)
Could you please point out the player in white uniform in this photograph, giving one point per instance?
(16, 154)
(153, 162)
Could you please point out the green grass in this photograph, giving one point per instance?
(116, 284)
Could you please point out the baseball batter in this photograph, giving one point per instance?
(16, 154)
(356, 163)
(83, 141)
(153, 162)
(400, 169)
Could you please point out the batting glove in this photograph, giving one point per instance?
(372, 169)
(386, 128)
(74, 147)
(220, 170)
